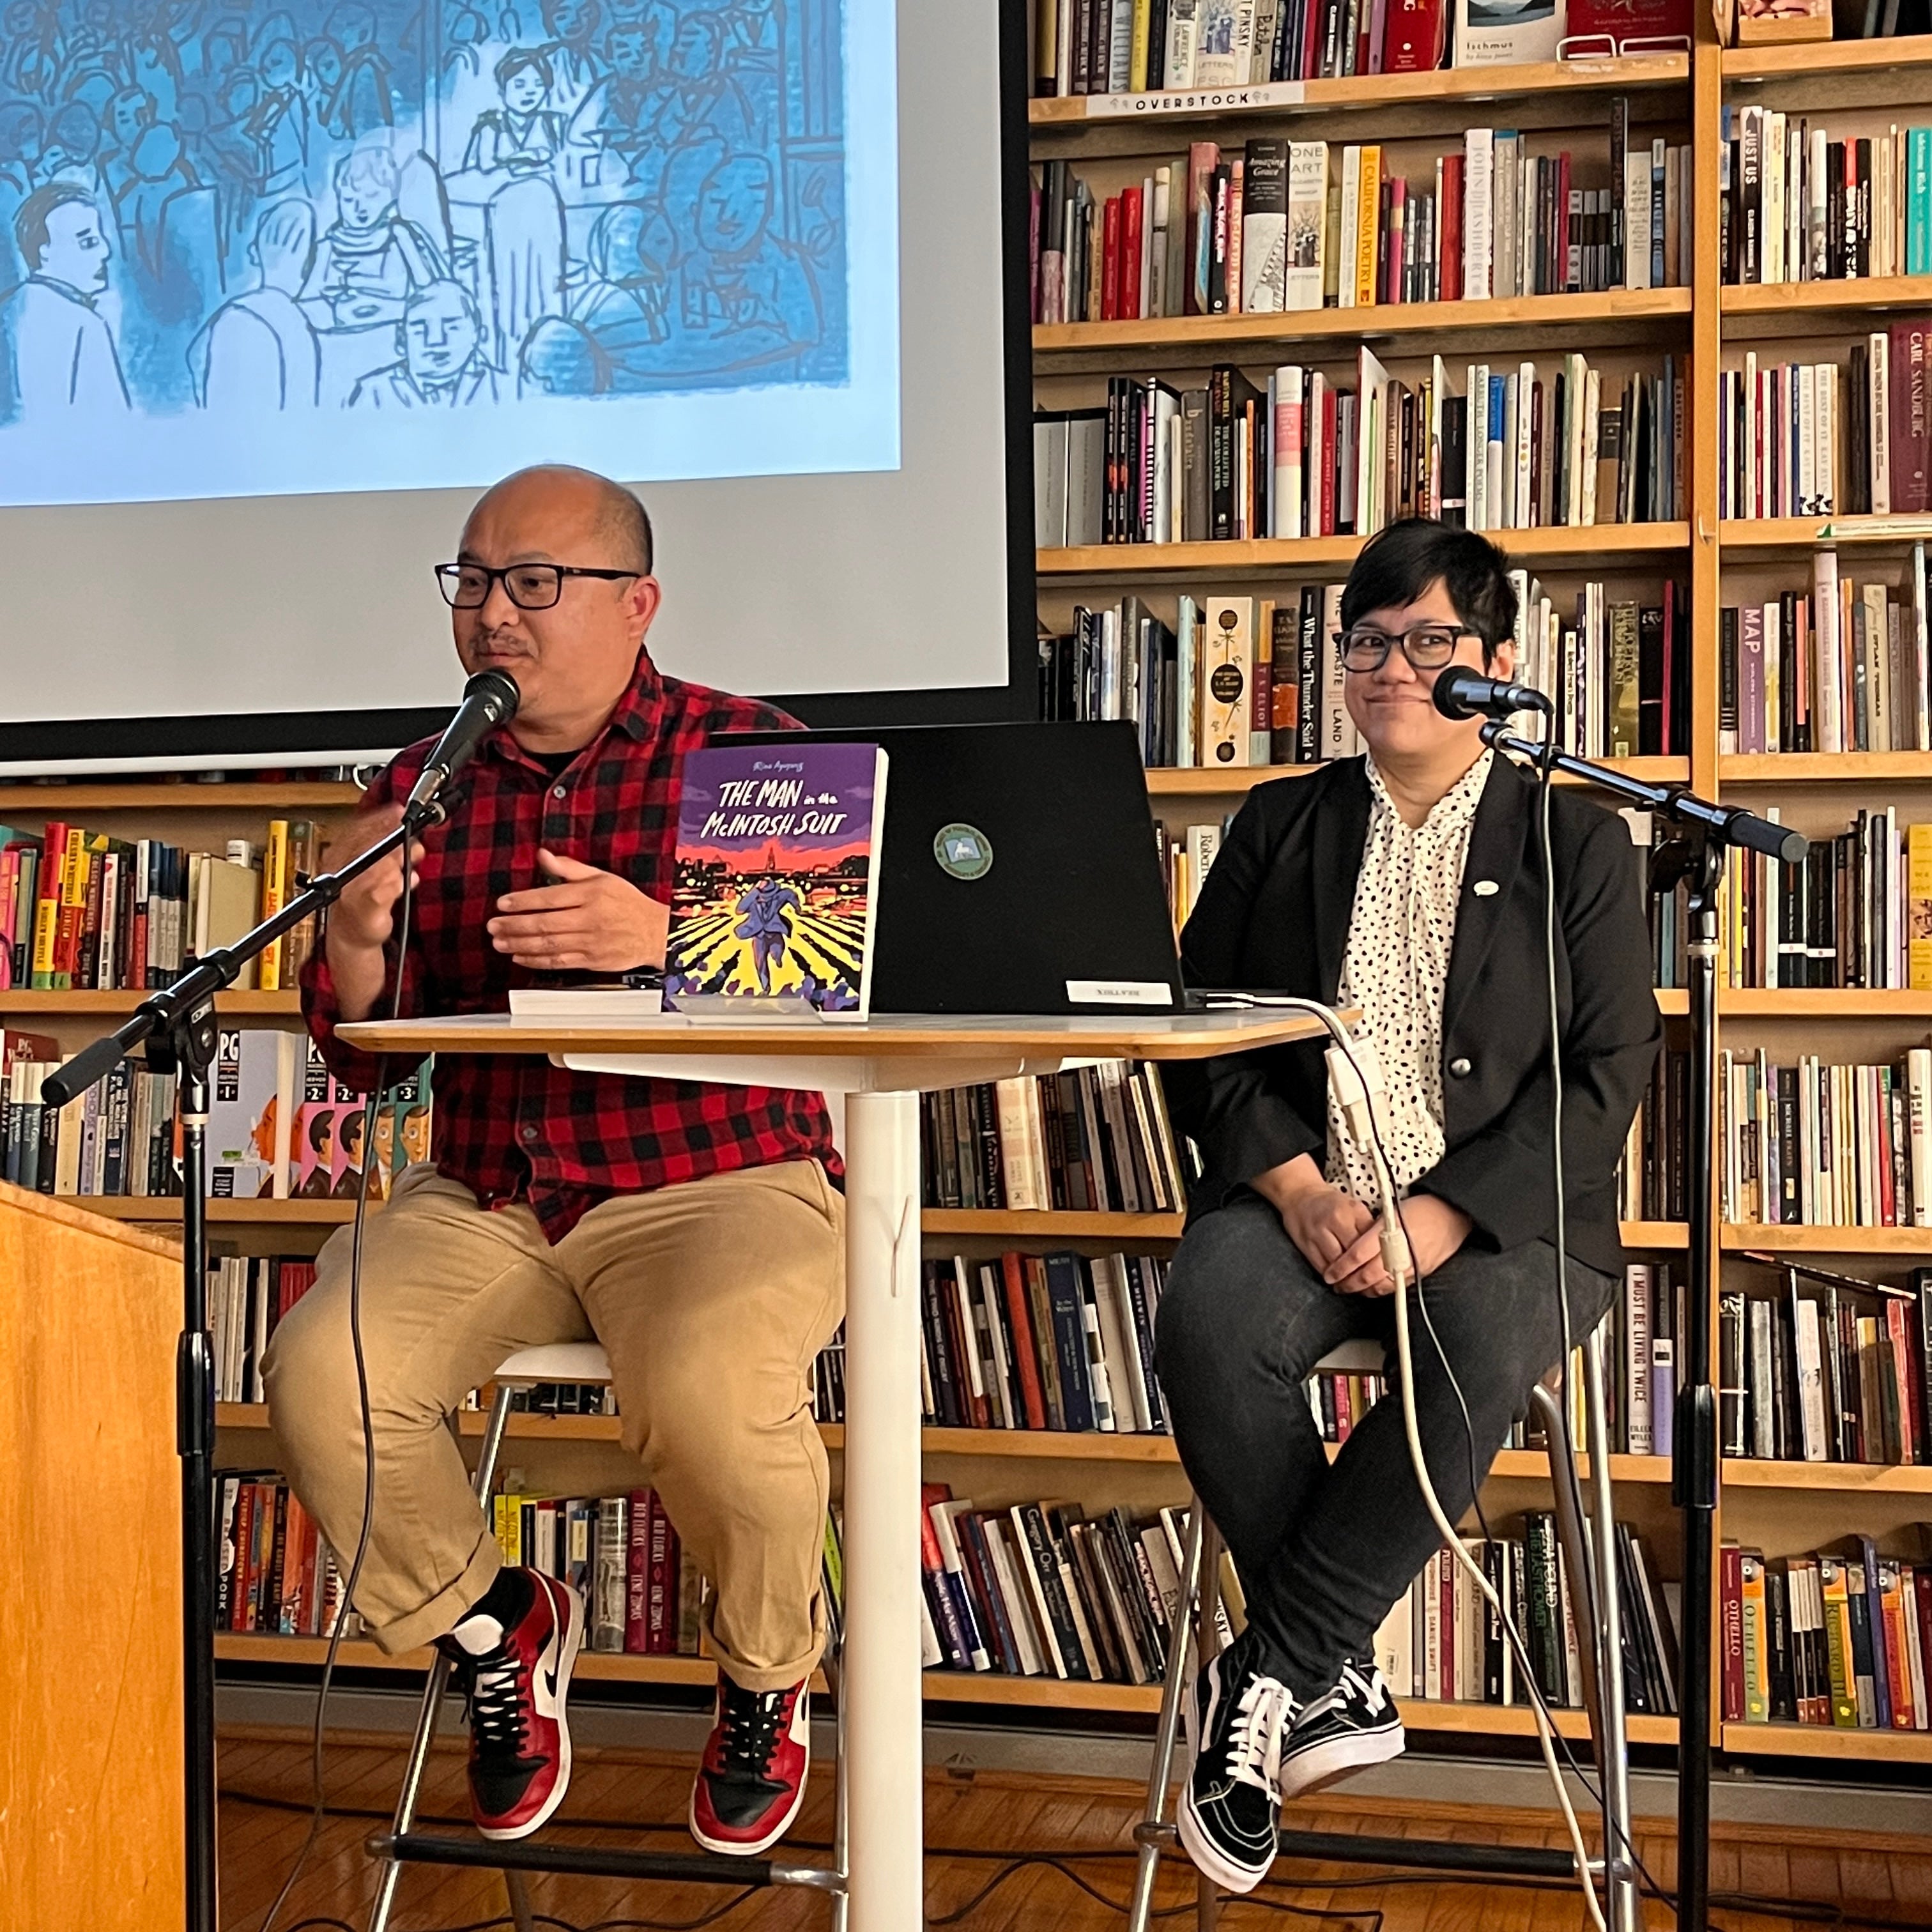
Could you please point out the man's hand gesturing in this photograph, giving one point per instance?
(361, 920)
(590, 921)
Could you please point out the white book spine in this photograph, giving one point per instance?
(1479, 153)
(1636, 217)
(1288, 385)
(1351, 196)
(1919, 1123)
(1879, 358)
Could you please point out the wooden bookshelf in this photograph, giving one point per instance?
(941, 1687)
(111, 1005)
(1584, 545)
(1615, 317)
(1762, 535)
(261, 1213)
(1223, 781)
(1813, 768)
(1561, 87)
(1851, 1479)
(1902, 1242)
(62, 801)
(1823, 1003)
(1054, 1445)
(1822, 1741)
(1047, 1226)
(1693, 323)
(1833, 74)
(1755, 310)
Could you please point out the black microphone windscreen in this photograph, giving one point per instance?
(499, 686)
(1458, 690)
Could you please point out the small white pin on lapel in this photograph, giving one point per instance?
(1486, 888)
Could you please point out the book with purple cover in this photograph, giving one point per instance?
(775, 893)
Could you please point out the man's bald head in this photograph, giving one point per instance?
(574, 657)
(622, 523)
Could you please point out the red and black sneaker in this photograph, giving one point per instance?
(751, 1781)
(514, 1652)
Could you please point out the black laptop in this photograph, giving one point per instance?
(1019, 873)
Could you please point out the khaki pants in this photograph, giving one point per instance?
(711, 1299)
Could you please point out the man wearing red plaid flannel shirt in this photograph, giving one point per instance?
(694, 1230)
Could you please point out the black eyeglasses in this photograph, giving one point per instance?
(530, 587)
(1427, 647)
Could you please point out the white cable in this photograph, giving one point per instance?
(1358, 1110)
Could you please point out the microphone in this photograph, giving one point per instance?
(1462, 693)
(490, 698)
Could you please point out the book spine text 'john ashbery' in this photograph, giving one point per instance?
(776, 895)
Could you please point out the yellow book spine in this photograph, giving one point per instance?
(1368, 226)
(46, 923)
(1137, 68)
(274, 880)
(1919, 925)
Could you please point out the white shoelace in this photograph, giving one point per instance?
(1266, 1710)
(1367, 1685)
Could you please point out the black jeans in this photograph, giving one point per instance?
(1323, 1549)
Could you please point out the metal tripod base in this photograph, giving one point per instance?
(1590, 1550)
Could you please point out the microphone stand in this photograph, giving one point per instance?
(177, 1025)
(1703, 832)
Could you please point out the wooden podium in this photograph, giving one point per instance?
(91, 1780)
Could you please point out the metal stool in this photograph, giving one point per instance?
(1591, 1557)
(580, 1362)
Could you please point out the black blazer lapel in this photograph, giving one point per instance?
(1341, 833)
(1495, 858)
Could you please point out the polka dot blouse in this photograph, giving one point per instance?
(1396, 967)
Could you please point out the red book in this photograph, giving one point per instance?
(1446, 1569)
(297, 1278)
(1450, 220)
(638, 1574)
(1019, 1329)
(1110, 262)
(661, 1592)
(1345, 1408)
(1397, 237)
(1131, 247)
(1033, 250)
(243, 1533)
(308, 1610)
(1921, 1605)
(1311, 44)
(1911, 416)
(1327, 431)
(1731, 1627)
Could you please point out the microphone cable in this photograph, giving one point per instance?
(1511, 1631)
(319, 1812)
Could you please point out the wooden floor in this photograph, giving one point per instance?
(974, 1824)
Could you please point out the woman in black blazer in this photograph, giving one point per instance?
(1409, 882)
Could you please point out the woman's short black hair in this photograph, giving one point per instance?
(1398, 565)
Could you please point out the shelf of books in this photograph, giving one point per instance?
(1274, 309)
(1522, 84)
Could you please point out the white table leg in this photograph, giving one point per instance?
(883, 1722)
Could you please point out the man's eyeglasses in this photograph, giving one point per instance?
(1427, 647)
(530, 587)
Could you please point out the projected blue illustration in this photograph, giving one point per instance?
(269, 214)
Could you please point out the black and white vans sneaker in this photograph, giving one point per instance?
(1238, 1714)
(1355, 1725)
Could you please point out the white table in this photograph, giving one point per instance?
(881, 1066)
